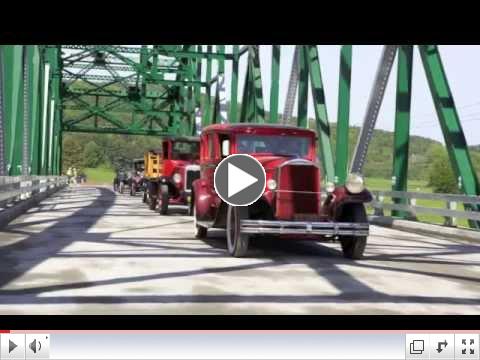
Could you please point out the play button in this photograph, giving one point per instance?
(11, 346)
(239, 180)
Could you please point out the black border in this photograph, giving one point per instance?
(241, 322)
(299, 25)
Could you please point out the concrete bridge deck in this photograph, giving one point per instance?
(86, 250)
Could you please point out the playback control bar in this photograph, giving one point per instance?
(238, 345)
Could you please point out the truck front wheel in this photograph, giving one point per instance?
(164, 199)
(237, 243)
(354, 246)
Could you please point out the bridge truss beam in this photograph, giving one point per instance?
(178, 89)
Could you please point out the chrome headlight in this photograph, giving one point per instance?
(330, 187)
(271, 184)
(177, 178)
(355, 183)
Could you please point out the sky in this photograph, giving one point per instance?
(460, 62)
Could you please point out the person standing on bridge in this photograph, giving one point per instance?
(70, 175)
(75, 174)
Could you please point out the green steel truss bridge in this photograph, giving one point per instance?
(172, 90)
(87, 250)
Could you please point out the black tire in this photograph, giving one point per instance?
(152, 195)
(237, 243)
(353, 247)
(164, 199)
(190, 209)
(133, 191)
(200, 231)
(152, 204)
(144, 197)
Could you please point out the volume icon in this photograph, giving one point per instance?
(35, 346)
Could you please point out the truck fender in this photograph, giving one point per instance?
(341, 199)
(201, 198)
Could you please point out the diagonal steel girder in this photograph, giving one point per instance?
(376, 96)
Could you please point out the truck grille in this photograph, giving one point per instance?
(298, 193)
(192, 172)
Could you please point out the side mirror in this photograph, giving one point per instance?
(225, 147)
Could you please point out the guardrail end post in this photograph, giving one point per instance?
(451, 220)
(411, 215)
(378, 209)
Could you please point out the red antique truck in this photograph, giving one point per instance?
(170, 171)
(291, 205)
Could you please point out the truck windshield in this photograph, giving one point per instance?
(185, 150)
(139, 166)
(283, 145)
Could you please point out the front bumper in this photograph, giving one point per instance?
(303, 227)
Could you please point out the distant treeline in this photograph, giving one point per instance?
(94, 150)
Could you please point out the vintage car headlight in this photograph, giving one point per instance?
(355, 183)
(177, 178)
(330, 187)
(271, 184)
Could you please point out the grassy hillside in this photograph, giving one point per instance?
(99, 176)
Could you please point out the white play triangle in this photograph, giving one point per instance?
(238, 180)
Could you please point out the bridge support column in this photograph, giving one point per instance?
(2, 116)
(233, 118)
(274, 84)
(253, 109)
(450, 124)
(341, 146)
(402, 125)
(323, 127)
(13, 116)
(302, 115)
(207, 104)
(34, 100)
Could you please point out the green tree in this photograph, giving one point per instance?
(92, 155)
(72, 153)
(441, 176)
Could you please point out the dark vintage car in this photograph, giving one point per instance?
(121, 181)
(170, 172)
(291, 205)
(137, 180)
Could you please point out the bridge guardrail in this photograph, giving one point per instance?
(17, 188)
(450, 212)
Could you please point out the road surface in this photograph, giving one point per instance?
(88, 251)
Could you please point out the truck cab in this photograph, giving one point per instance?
(170, 171)
(291, 205)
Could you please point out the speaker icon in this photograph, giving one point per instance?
(35, 346)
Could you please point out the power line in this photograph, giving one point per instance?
(477, 103)
(435, 121)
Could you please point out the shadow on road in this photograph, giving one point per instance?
(21, 257)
